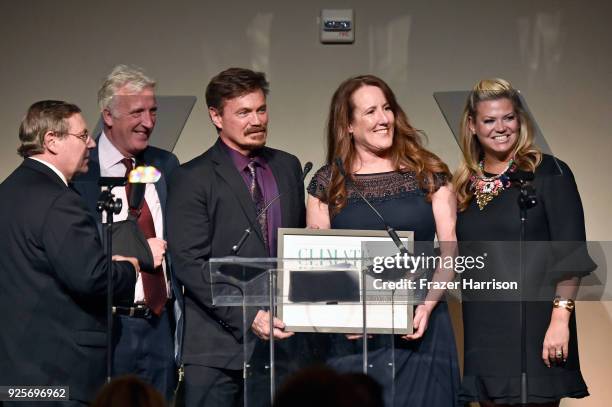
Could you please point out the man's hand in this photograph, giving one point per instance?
(133, 260)
(158, 248)
(261, 326)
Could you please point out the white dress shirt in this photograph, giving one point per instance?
(111, 166)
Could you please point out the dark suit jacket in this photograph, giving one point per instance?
(52, 285)
(209, 207)
(165, 162)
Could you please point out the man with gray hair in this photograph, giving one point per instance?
(53, 268)
(143, 330)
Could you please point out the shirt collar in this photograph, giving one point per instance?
(108, 154)
(241, 161)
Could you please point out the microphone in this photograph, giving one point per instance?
(520, 176)
(527, 198)
(111, 182)
(236, 248)
(390, 231)
(307, 168)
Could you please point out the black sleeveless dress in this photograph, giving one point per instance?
(426, 370)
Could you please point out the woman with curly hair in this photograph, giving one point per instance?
(384, 157)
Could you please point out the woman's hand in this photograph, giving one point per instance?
(556, 340)
(420, 320)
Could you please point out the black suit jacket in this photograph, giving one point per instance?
(165, 162)
(52, 285)
(209, 207)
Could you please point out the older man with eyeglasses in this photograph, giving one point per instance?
(53, 268)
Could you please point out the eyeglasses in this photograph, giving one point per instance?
(84, 137)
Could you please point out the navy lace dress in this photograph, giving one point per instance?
(426, 370)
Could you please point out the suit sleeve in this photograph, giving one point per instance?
(190, 232)
(75, 252)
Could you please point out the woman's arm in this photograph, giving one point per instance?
(317, 213)
(444, 206)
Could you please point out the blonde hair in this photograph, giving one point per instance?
(527, 155)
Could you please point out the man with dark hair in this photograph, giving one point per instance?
(53, 268)
(212, 199)
(234, 82)
(143, 337)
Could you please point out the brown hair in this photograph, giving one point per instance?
(407, 152)
(128, 391)
(42, 117)
(234, 82)
(526, 154)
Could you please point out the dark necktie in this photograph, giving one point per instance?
(153, 284)
(258, 199)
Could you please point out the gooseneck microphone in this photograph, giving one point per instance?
(236, 248)
(307, 168)
(390, 231)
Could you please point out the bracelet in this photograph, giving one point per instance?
(568, 304)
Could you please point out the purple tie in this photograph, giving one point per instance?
(258, 199)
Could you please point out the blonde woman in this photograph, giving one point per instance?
(497, 142)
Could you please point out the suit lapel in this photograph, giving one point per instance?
(225, 169)
(283, 185)
(149, 158)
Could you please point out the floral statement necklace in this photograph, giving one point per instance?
(487, 188)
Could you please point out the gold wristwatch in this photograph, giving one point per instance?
(568, 304)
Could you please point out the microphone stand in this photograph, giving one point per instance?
(236, 248)
(390, 231)
(110, 205)
(526, 200)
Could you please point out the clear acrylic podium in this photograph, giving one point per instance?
(324, 301)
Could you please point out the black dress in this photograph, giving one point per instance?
(426, 370)
(492, 338)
